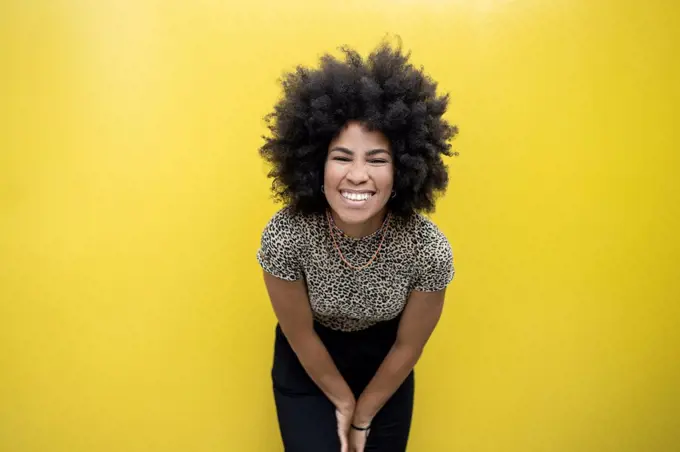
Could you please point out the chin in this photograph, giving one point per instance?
(355, 216)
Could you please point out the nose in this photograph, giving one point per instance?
(357, 173)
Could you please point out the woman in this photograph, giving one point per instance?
(355, 273)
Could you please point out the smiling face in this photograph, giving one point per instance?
(358, 178)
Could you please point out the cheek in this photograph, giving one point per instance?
(332, 175)
(385, 179)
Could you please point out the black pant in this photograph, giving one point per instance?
(307, 418)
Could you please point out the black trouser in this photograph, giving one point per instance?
(307, 418)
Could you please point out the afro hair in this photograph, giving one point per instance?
(384, 92)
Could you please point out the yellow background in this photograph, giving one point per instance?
(132, 312)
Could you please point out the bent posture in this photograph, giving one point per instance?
(355, 272)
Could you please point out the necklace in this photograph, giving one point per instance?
(342, 257)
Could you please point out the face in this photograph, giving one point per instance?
(358, 175)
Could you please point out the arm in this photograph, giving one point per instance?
(291, 306)
(419, 319)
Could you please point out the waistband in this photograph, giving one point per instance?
(383, 332)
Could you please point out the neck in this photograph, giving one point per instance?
(361, 229)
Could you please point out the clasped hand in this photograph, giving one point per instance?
(351, 440)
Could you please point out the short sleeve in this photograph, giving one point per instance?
(279, 252)
(436, 269)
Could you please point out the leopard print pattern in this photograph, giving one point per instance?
(415, 256)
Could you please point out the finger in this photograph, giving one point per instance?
(361, 445)
(344, 447)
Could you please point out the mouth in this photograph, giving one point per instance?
(357, 197)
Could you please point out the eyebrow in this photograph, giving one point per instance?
(369, 153)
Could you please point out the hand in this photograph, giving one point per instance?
(357, 439)
(344, 418)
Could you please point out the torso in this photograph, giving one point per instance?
(343, 298)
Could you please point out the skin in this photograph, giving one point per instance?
(359, 161)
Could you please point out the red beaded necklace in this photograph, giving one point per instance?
(370, 261)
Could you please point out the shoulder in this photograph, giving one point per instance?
(282, 244)
(430, 238)
(285, 224)
(434, 260)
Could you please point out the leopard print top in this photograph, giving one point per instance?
(415, 256)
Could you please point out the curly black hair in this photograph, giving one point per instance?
(384, 92)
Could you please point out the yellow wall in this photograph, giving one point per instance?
(132, 313)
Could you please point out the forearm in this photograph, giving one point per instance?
(320, 367)
(394, 369)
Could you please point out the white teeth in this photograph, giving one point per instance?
(357, 196)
